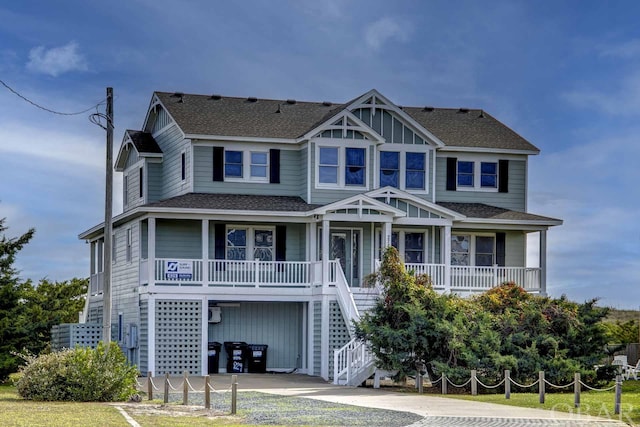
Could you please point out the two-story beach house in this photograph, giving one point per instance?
(256, 220)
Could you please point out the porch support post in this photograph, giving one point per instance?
(325, 252)
(446, 245)
(151, 341)
(93, 258)
(204, 348)
(324, 339)
(543, 262)
(387, 236)
(310, 337)
(205, 253)
(151, 255)
(313, 244)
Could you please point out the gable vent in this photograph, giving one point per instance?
(216, 96)
(252, 99)
(463, 110)
(429, 109)
(327, 104)
(291, 101)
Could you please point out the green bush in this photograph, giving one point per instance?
(79, 374)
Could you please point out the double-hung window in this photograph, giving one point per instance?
(465, 174)
(488, 175)
(259, 162)
(233, 165)
(354, 173)
(390, 169)
(328, 169)
(415, 171)
(263, 245)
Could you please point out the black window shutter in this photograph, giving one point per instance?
(141, 181)
(218, 163)
(452, 172)
(220, 240)
(274, 166)
(281, 242)
(500, 249)
(503, 176)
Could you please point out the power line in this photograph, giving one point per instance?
(24, 98)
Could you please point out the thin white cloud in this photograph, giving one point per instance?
(57, 60)
(627, 50)
(385, 29)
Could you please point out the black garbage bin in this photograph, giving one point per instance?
(214, 357)
(236, 353)
(257, 358)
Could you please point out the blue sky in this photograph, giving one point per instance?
(563, 74)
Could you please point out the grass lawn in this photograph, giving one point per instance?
(15, 411)
(591, 403)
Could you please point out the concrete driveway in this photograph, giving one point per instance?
(438, 411)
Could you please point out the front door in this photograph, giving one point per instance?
(345, 246)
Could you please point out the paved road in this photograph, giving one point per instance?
(438, 411)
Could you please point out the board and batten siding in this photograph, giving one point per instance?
(132, 181)
(172, 145)
(125, 277)
(515, 199)
(276, 324)
(177, 238)
(291, 172)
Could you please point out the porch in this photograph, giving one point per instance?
(249, 275)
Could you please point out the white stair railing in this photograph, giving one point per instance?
(345, 297)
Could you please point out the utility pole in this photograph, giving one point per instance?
(108, 208)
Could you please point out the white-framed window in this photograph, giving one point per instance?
(406, 170)
(259, 164)
(340, 167)
(477, 175)
(249, 243)
(246, 165)
(411, 245)
(473, 249)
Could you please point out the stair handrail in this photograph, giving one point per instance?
(345, 298)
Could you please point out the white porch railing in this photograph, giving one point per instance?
(478, 279)
(259, 273)
(352, 363)
(190, 276)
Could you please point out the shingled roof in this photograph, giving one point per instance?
(482, 211)
(144, 142)
(239, 202)
(269, 118)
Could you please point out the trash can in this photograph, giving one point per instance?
(236, 352)
(257, 355)
(214, 357)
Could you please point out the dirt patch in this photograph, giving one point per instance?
(173, 410)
